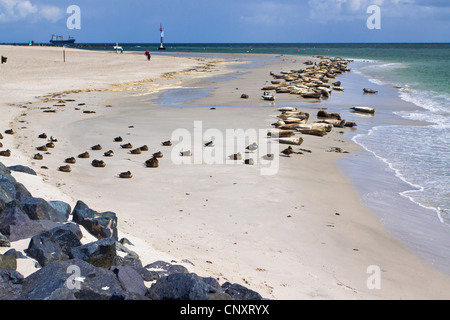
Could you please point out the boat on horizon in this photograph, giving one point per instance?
(59, 40)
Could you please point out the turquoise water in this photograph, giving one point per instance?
(418, 155)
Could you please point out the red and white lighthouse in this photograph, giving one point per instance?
(161, 47)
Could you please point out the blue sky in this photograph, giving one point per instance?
(238, 21)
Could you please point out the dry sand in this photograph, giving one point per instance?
(299, 234)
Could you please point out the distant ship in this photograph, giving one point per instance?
(59, 40)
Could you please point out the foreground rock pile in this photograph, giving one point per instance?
(104, 269)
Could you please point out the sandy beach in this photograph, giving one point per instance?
(301, 233)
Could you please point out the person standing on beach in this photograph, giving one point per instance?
(147, 53)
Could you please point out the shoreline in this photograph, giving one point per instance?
(317, 283)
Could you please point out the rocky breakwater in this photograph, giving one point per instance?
(67, 269)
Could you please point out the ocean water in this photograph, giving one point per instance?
(419, 155)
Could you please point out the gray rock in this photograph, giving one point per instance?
(4, 242)
(100, 253)
(62, 208)
(39, 209)
(54, 244)
(130, 280)
(10, 284)
(23, 169)
(8, 262)
(7, 191)
(239, 292)
(16, 225)
(184, 286)
(100, 225)
(159, 269)
(21, 192)
(4, 171)
(57, 282)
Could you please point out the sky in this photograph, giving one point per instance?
(227, 21)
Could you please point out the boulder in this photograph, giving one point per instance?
(23, 169)
(100, 225)
(184, 286)
(4, 242)
(16, 225)
(54, 244)
(7, 190)
(239, 292)
(21, 192)
(100, 253)
(8, 261)
(159, 269)
(62, 208)
(130, 280)
(10, 284)
(58, 282)
(39, 209)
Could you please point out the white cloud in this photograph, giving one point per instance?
(51, 13)
(349, 10)
(15, 10)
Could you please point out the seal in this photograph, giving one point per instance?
(65, 168)
(127, 146)
(144, 148)
(70, 160)
(167, 143)
(84, 155)
(98, 163)
(96, 147)
(9, 131)
(6, 153)
(1, 136)
(186, 153)
(118, 139)
(42, 136)
(126, 175)
(136, 151)
(42, 148)
(236, 156)
(158, 154)
(108, 153)
(1, 145)
(50, 145)
(252, 147)
(152, 163)
(249, 161)
(38, 156)
(288, 151)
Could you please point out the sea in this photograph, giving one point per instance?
(415, 152)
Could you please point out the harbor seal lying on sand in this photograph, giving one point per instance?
(71, 160)
(65, 168)
(96, 147)
(125, 175)
(152, 163)
(84, 155)
(98, 163)
(6, 153)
